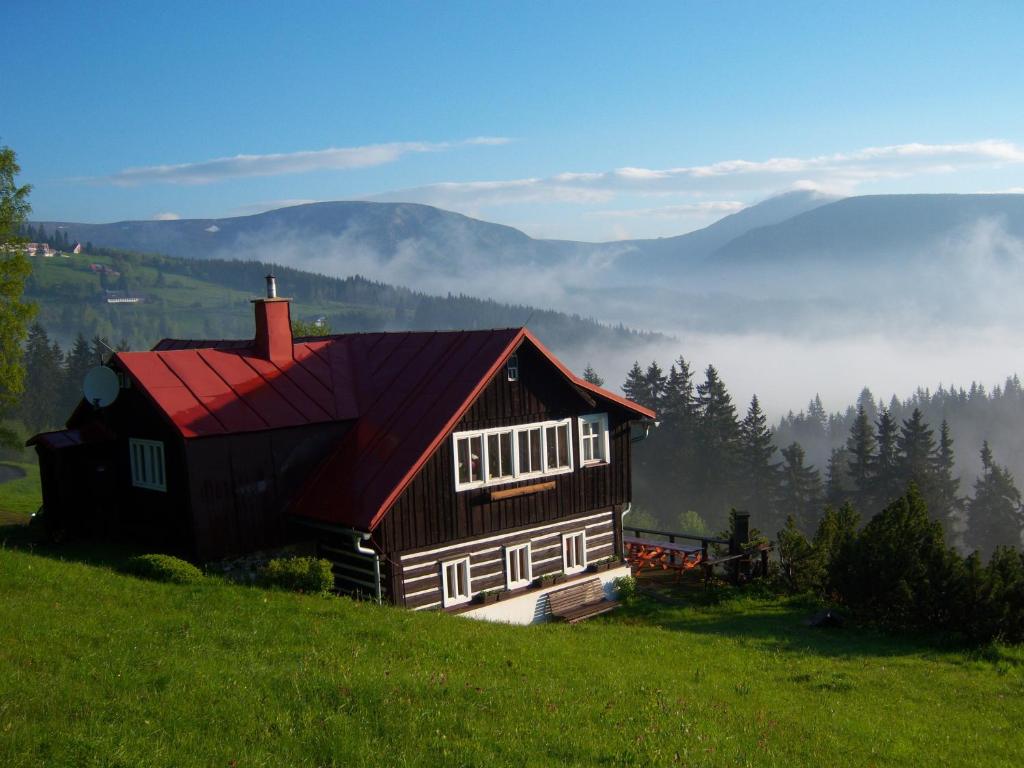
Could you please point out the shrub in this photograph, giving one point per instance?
(163, 568)
(299, 574)
(626, 588)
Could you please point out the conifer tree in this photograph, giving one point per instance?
(759, 475)
(916, 455)
(860, 450)
(994, 514)
(39, 405)
(886, 469)
(590, 375)
(838, 487)
(801, 493)
(949, 506)
(677, 404)
(635, 386)
(654, 385)
(716, 439)
(78, 363)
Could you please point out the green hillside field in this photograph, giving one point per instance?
(102, 669)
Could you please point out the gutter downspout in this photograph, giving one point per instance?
(622, 520)
(357, 538)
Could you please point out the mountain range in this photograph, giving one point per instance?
(777, 264)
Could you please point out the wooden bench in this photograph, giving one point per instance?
(580, 601)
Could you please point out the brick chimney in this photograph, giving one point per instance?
(273, 325)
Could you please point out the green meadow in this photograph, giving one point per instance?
(102, 669)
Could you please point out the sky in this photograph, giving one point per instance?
(591, 121)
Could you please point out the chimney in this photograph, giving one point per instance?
(273, 325)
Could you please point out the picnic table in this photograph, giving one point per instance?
(668, 556)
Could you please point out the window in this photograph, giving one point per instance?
(506, 454)
(574, 552)
(500, 464)
(594, 439)
(518, 570)
(468, 454)
(147, 458)
(530, 459)
(559, 450)
(455, 582)
(512, 367)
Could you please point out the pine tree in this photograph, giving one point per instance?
(589, 374)
(838, 486)
(654, 385)
(759, 475)
(801, 493)
(716, 443)
(860, 449)
(635, 386)
(949, 507)
(39, 405)
(886, 469)
(677, 404)
(77, 364)
(994, 514)
(916, 455)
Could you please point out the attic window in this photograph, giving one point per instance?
(513, 368)
(147, 458)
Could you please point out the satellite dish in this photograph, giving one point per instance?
(101, 386)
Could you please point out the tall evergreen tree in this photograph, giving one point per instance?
(716, 438)
(949, 506)
(916, 455)
(860, 450)
(589, 374)
(838, 486)
(654, 385)
(801, 492)
(994, 514)
(888, 485)
(77, 364)
(40, 403)
(759, 475)
(635, 386)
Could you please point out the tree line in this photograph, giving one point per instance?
(53, 377)
(705, 459)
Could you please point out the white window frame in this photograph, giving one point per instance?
(602, 439)
(581, 564)
(517, 431)
(464, 591)
(512, 367)
(149, 469)
(513, 552)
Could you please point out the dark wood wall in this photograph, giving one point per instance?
(430, 512)
(241, 484)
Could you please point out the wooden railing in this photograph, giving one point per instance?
(739, 558)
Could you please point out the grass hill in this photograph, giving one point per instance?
(210, 299)
(98, 668)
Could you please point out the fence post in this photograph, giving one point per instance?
(737, 543)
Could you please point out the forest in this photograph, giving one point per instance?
(209, 298)
(706, 458)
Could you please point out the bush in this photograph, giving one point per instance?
(163, 568)
(299, 574)
(625, 586)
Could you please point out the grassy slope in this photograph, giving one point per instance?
(102, 669)
(21, 497)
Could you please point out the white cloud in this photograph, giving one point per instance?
(681, 211)
(840, 172)
(168, 216)
(239, 166)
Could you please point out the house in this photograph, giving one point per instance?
(76, 248)
(121, 297)
(428, 466)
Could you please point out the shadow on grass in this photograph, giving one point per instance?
(89, 551)
(756, 615)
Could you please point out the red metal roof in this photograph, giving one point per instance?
(405, 391)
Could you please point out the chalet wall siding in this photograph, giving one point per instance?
(430, 511)
(418, 573)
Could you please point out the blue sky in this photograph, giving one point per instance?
(583, 120)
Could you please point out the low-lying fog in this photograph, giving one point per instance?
(950, 312)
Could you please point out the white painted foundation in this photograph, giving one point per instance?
(532, 607)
